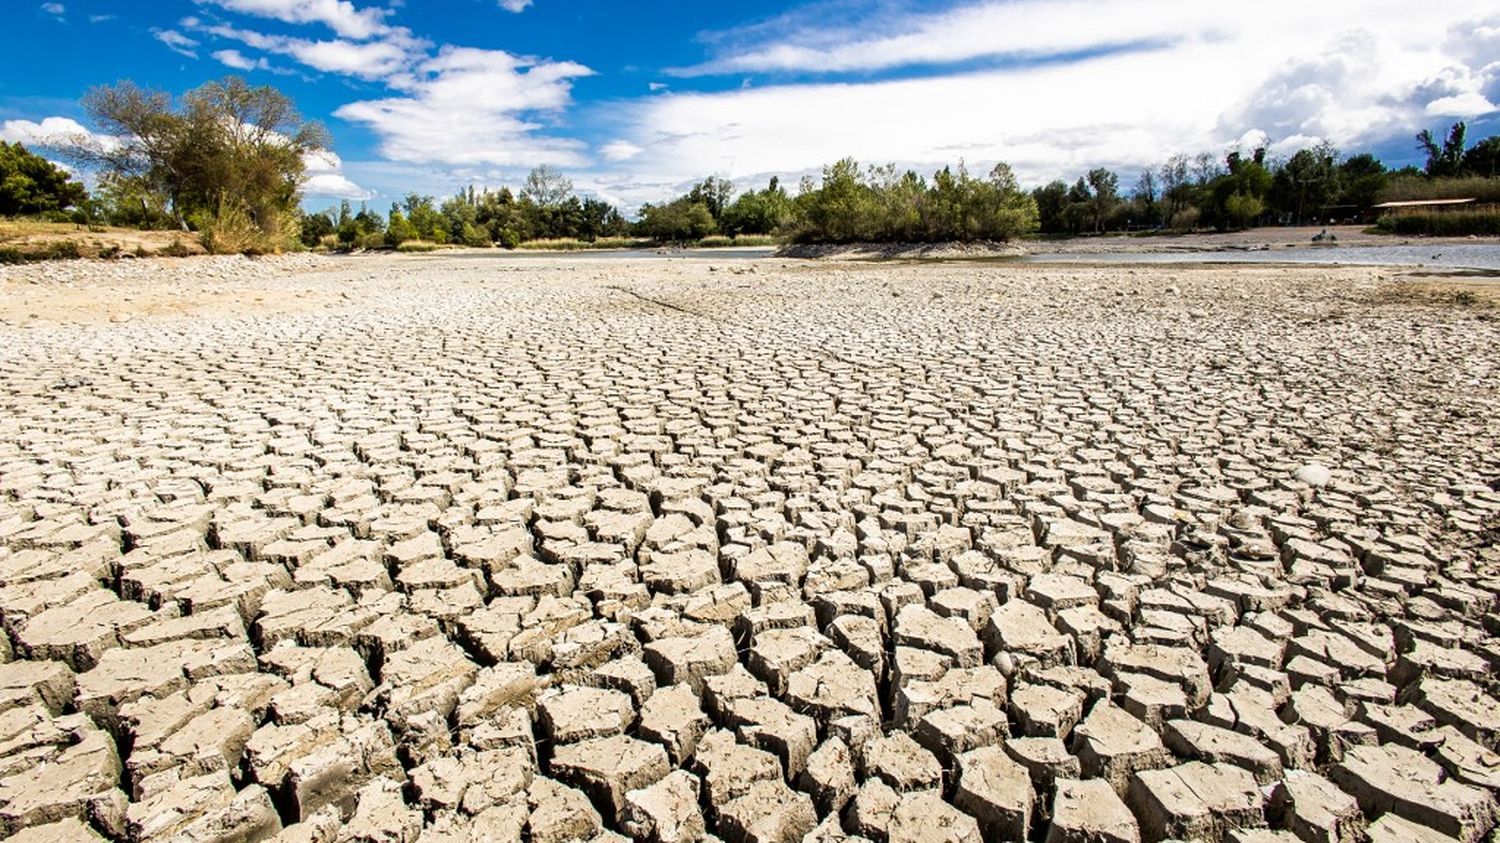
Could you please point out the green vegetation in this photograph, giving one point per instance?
(1413, 187)
(1314, 186)
(49, 251)
(1481, 222)
(225, 161)
(880, 204)
(573, 244)
(30, 184)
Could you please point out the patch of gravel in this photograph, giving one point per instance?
(159, 270)
(460, 549)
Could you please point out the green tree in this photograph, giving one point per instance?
(315, 227)
(400, 229)
(679, 220)
(460, 211)
(838, 211)
(426, 220)
(1306, 184)
(1361, 178)
(758, 212)
(1483, 159)
(1104, 190)
(1446, 160)
(227, 159)
(597, 218)
(714, 193)
(1145, 199)
(30, 184)
(1052, 203)
(367, 222)
(1003, 210)
(1242, 209)
(1248, 178)
(1177, 189)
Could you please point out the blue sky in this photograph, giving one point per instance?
(636, 101)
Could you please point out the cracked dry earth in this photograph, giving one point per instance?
(462, 549)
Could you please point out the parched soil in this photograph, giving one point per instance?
(457, 548)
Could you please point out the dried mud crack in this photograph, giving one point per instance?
(441, 549)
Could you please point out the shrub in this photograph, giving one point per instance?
(176, 250)
(509, 238)
(1482, 222)
(373, 241)
(235, 229)
(719, 242)
(1186, 219)
(1413, 188)
(475, 236)
(569, 244)
(64, 250)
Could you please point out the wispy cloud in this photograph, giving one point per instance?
(516, 6)
(235, 60)
(176, 42)
(57, 10)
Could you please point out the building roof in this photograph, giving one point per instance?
(1422, 203)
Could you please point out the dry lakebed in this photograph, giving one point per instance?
(464, 549)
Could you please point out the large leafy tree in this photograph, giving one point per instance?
(1307, 183)
(679, 220)
(1361, 178)
(30, 184)
(1104, 187)
(226, 158)
(758, 211)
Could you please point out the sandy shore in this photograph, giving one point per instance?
(592, 548)
(1254, 239)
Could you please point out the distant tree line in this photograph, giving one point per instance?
(1314, 185)
(227, 160)
(545, 209)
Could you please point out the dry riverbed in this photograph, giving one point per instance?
(458, 548)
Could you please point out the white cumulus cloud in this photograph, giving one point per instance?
(472, 106)
(362, 59)
(1084, 83)
(516, 6)
(340, 16)
(326, 179)
(54, 132)
(620, 151)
